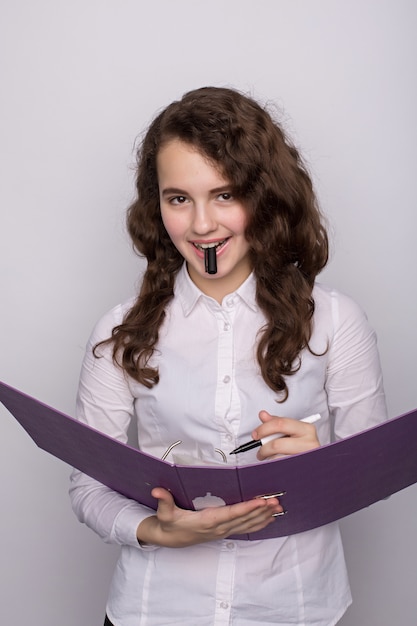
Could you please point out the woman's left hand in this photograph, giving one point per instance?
(298, 436)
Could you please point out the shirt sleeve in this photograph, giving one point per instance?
(105, 402)
(354, 382)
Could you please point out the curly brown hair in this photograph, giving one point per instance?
(285, 230)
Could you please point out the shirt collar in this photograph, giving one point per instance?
(189, 294)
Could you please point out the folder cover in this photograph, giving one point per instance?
(319, 486)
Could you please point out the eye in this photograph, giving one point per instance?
(177, 200)
(225, 196)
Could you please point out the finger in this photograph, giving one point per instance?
(255, 521)
(260, 510)
(301, 440)
(271, 424)
(252, 526)
(249, 508)
(265, 417)
(286, 426)
(270, 508)
(224, 520)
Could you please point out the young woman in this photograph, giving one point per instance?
(220, 347)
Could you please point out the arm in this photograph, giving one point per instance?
(353, 383)
(104, 401)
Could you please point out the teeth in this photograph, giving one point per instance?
(204, 246)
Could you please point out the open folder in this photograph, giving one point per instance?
(317, 487)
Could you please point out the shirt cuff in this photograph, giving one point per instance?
(126, 525)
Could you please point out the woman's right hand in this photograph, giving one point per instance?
(173, 527)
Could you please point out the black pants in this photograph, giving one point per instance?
(107, 622)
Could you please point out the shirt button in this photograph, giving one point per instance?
(224, 605)
(230, 545)
(230, 302)
(226, 326)
(226, 379)
(229, 437)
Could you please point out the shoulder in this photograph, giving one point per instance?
(336, 305)
(341, 318)
(115, 316)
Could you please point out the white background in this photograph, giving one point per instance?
(79, 81)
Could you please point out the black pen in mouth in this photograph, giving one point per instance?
(210, 260)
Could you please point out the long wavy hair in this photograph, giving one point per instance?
(285, 230)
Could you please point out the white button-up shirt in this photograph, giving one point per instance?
(209, 396)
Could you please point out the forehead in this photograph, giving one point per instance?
(178, 160)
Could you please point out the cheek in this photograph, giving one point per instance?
(173, 224)
(240, 221)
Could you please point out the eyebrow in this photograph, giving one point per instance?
(180, 192)
(173, 191)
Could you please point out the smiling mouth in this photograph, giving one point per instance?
(205, 246)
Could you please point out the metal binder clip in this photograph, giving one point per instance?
(268, 496)
(177, 443)
(222, 454)
(168, 450)
(277, 494)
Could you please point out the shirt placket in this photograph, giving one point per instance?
(227, 409)
(224, 582)
(227, 416)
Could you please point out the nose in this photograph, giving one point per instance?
(204, 220)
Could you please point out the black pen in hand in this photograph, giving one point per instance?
(255, 443)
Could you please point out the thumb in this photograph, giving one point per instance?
(166, 504)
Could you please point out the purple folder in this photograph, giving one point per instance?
(319, 487)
